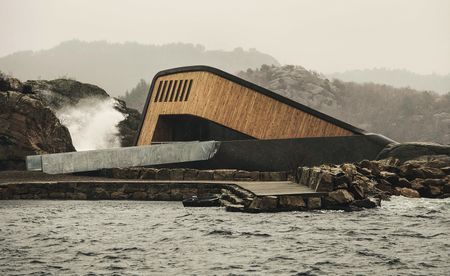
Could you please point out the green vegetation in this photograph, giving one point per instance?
(137, 96)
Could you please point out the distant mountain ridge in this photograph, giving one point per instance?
(119, 66)
(397, 78)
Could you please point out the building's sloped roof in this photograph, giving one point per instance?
(250, 85)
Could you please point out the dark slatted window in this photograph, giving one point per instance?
(162, 92)
(159, 91)
(177, 95)
(172, 93)
(188, 90)
(166, 97)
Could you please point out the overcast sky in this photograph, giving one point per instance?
(326, 36)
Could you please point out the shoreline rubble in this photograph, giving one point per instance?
(347, 187)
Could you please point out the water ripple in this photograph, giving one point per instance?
(405, 236)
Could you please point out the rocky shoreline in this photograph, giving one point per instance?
(347, 187)
(366, 183)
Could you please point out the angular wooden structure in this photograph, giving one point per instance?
(204, 103)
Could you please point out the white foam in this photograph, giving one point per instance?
(92, 123)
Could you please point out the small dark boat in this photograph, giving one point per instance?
(194, 201)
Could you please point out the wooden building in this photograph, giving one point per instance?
(199, 103)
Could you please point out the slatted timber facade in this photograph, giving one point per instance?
(213, 95)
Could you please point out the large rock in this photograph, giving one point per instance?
(28, 127)
(407, 151)
(264, 203)
(292, 202)
(341, 197)
(407, 192)
(60, 93)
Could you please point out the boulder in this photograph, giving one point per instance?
(314, 203)
(429, 172)
(417, 184)
(407, 192)
(292, 202)
(403, 182)
(370, 202)
(390, 177)
(28, 127)
(407, 151)
(326, 183)
(341, 197)
(264, 203)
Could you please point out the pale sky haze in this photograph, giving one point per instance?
(323, 35)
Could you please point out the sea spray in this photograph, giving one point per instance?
(92, 123)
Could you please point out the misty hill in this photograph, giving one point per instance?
(397, 78)
(117, 67)
(403, 114)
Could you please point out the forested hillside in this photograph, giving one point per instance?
(402, 114)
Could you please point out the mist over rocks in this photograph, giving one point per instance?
(27, 126)
(39, 117)
(89, 112)
(62, 92)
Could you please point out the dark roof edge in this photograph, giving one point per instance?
(250, 85)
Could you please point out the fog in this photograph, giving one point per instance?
(327, 36)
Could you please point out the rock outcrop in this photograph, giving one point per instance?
(61, 93)
(407, 151)
(27, 126)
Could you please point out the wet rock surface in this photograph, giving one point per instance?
(60, 93)
(364, 184)
(27, 126)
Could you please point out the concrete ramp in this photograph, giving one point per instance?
(92, 160)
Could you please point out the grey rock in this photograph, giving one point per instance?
(341, 197)
(407, 151)
(264, 203)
